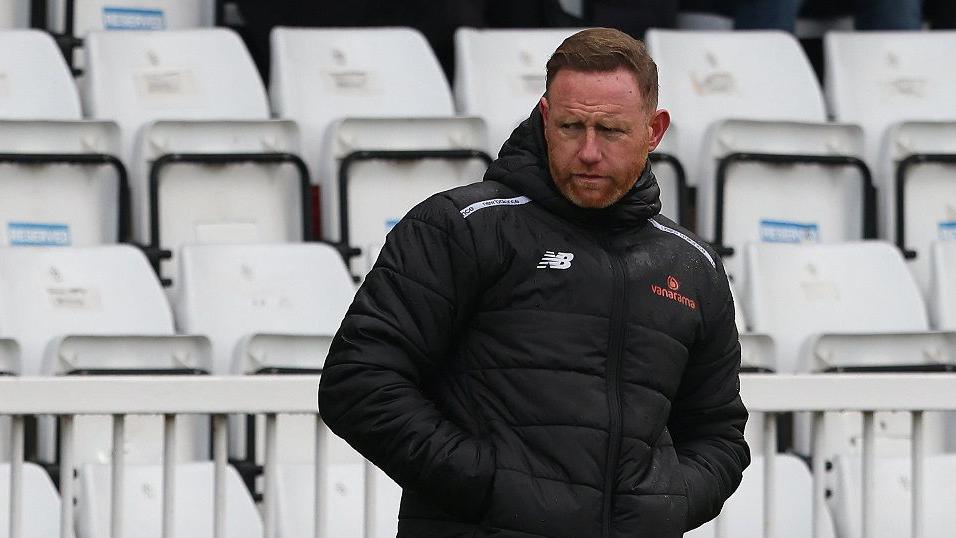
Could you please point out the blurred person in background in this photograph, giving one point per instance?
(867, 14)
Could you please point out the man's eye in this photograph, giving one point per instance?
(571, 126)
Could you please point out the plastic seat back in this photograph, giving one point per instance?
(942, 296)
(826, 288)
(15, 15)
(170, 99)
(846, 306)
(876, 79)
(742, 515)
(918, 194)
(795, 291)
(135, 77)
(891, 84)
(93, 15)
(893, 488)
(710, 76)
(346, 500)
(319, 76)
(380, 191)
(40, 502)
(35, 82)
(50, 291)
(242, 201)
(750, 199)
(230, 291)
(143, 497)
(500, 75)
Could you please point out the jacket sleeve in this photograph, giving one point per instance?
(708, 417)
(394, 338)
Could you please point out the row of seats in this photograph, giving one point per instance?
(751, 143)
(271, 308)
(193, 502)
(752, 132)
(227, 290)
(244, 309)
(358, 81)
(741, 515)
(849, 307)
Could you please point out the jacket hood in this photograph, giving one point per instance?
(522, 165)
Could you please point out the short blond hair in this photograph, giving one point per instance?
(606, 49)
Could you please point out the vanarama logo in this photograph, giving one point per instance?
(670, 292)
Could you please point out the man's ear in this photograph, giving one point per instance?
(545, 109)
(658, 126)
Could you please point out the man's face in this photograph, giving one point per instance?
(598, 133)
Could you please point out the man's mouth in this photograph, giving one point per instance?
(590, 180)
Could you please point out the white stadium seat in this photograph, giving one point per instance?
(135, 78)
(379, 90)
(119, 15)
(819, 304)
(41, 503)
(143, 497)
(942, 296)
(266, 309)
(97, 310)
(892, 85)
(319, 76)
(753, 137)
(62, 183)
(754, 199)
(893, 490)
(877, 79)
(379, 191)
(500, 75)
(9, 366)
(35, 82)
(196, 128)
(93, 15)
(345, 494)
(273, 309)
(14, 15)
(795, 291)
(918, 161)
(742, 515)
(233, 293)
(711, 76)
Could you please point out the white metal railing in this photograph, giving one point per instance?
(271, 396)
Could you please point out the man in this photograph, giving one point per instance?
(541, 353)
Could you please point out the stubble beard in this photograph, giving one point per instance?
(618, 191)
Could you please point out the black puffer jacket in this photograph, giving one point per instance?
(527, 368)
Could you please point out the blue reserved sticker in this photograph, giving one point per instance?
(390, 223)
(778, 231)
(947, 231)
(33, 234)
(124, 18)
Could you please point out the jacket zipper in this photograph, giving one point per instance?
(615, 357)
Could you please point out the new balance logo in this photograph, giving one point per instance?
(556, 260)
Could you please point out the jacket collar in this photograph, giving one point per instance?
(522, 165)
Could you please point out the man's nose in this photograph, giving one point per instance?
(589, 152)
